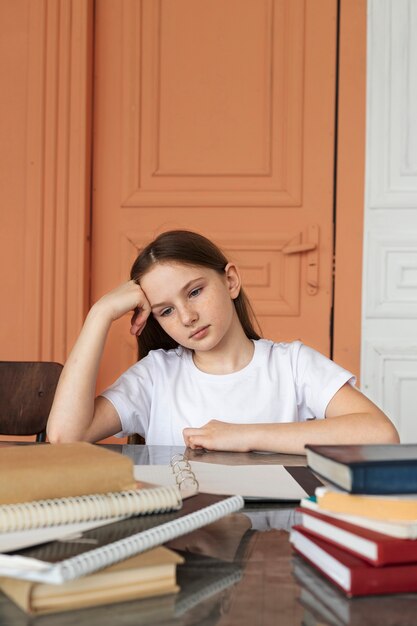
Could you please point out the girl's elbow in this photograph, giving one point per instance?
(389, 433)
(52, 434)
(56, 435)
(394, 436)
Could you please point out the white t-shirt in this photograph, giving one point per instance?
(165, 392)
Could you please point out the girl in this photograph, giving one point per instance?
(204, 376)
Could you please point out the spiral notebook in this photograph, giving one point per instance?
(154, 498)
(30, 523)
(60, 561)
(71, 510)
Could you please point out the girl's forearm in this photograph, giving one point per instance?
(291, 438)
(73, 407)
(75, 415)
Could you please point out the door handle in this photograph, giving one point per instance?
(311, 248)
(301, 247)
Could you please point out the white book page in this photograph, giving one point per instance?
(264, 482)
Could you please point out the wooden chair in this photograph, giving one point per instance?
(135, 439)
(27, 389)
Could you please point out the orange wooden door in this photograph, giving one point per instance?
(218, 116)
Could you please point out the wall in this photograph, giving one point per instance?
(13, 70)
(349, 184)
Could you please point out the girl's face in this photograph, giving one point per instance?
(193, 304)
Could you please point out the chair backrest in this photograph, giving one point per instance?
(135, 439)
(27, 390)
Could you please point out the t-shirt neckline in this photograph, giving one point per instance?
(226, 377)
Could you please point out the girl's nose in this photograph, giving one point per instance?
(188, 316)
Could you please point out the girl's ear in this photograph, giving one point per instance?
(233, 280)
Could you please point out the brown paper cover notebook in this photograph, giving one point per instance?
(149, 574)
(44, 471)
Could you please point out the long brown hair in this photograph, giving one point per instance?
(184, 246)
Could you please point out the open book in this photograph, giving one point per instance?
(263, 482)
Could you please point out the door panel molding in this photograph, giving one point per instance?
(159, 56)
(57, 175)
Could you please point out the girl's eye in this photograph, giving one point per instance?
(195, 292)
(166, 312)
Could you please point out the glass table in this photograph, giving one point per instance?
(240, 570)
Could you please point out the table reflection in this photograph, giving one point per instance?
(325, 604)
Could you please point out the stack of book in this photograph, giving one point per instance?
(77, 530)
(361, 533)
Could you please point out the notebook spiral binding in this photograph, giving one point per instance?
(42, 513)
(184, 476)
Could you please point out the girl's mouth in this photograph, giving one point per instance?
(200, 333)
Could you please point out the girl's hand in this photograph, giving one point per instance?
(217, 435)
(127, 297)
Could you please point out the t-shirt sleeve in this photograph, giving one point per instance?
(317, 380)
(131, 396)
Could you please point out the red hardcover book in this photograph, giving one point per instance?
(353, 575)
(372, 546)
